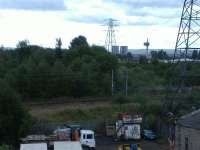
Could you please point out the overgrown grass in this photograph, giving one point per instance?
(99, 113)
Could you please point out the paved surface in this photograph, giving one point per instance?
(105, 143)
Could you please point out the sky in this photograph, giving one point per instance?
(42, 21)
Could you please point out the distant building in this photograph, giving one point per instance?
(115, 50)
(188, 132)
(123, 50)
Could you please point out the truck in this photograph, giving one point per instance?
(85, 137)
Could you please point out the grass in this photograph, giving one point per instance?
(97, 111)
(92, 114)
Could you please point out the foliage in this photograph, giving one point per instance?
(14, 118)
(143, 60)
(120, 100)
(162, 55)
(77, 42)
(36, 72)
(90, 114)
(58, 48)
(4, 147)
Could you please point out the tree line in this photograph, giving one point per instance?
(38, 72)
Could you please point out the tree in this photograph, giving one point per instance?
(194, 54)
(198, 57)
(14, 118)
(79, 41)
(23, 44)
(143, 60)
(4, 147)
(162, 54)
(23, 50)
(58, 81)
(58, 48)
(154, 54)
(129, 56)
(120, 100)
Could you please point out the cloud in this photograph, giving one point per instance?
(128, 12)
(33, 4)
(148, 3)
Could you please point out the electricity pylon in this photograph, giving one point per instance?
(110, 36)
(189, 30)
(188, 40)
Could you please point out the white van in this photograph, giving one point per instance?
(87, 138)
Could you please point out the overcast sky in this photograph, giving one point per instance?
(42, 21)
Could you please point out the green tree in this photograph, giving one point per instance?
(79, 41)
(195, 54)
(120, 100)
(23, 50)
(4, 147)
(58, 48)
(143, 60)
(14, 118)
(58, 80)
(23, 44)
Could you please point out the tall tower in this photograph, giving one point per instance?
(189, 30)
(147, 44)
(110, 37)
(188, 40)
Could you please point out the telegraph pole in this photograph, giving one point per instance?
(126, 82)
(112, 86)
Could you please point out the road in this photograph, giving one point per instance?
(105, 143)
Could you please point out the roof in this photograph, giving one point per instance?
(38, 146)
(87, 131)
(67, 146)
(191, 120)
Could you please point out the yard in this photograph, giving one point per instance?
(106, 143)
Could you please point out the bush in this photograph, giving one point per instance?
(4, 147)
(120, 99)
(14, 118)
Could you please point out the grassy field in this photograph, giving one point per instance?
(96, 113)
(94, 110)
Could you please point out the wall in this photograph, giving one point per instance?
(193, 138)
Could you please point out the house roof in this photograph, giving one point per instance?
(191, 120)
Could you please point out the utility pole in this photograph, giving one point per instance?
(110, 37)
(112, 86)
(126, 82)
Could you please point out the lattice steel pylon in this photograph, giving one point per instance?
(188, 40)
(189, 30)
(110, 36)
